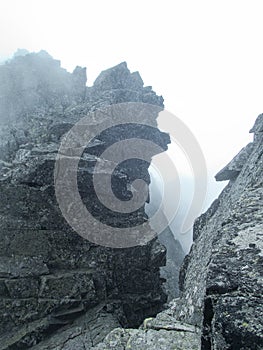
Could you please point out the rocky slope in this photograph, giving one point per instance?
(221, 305)
(60, 291)
(51, 279)
(225, 262)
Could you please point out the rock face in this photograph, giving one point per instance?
(174, 259)
(222, 283)
(232, 170)
(220, 306)
(60, 291)
(49, 275)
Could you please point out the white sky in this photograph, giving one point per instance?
(205, 57)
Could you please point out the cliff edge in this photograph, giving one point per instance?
(221, 305)
(52, 279)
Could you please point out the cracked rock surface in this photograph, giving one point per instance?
(221, 279)
(50, 276)
(61, 292)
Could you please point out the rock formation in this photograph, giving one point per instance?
(220, 306)
(51, 279)
(60, 291)
(222, 277)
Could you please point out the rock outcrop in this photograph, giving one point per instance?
(222, 287)
(51, 279)
(220, 307)
(60, 291)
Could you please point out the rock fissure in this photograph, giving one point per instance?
(221, 278)
(60, 291)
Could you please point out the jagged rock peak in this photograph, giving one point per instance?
(234, 167)
(221, 289)
(258, 129)
(49, 275)
(35, 82)
(118, 77)
(258, 126)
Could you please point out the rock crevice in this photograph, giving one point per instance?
(220, 305)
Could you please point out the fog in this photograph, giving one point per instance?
(177, 205)
(156, 200)
(204, 57)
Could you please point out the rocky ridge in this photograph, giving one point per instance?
(220, 307)
(51, 279)
(60, 292)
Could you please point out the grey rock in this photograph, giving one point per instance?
(60, 291)
(221, 278)
(83, 333)
(201, 221)
(19, 266)
(51, 277)
(220, 304)
(118, 77)
(232, 169)
(258, 126)
(162, 332)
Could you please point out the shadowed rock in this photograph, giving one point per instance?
(49, 275)
(220, 305)
(232, 169)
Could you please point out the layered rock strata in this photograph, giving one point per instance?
(49, 275)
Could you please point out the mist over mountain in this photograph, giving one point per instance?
(50, 274)
(102, 281)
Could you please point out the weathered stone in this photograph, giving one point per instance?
(48, 273)
(258, 126)
(220, 305)
(232, 169)
(87, 331)
(59, 291)
(22, 288)
(84, 333)
(118, 77)
(179, 337)
(222, 279)
(68, 285)
(19, 266)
